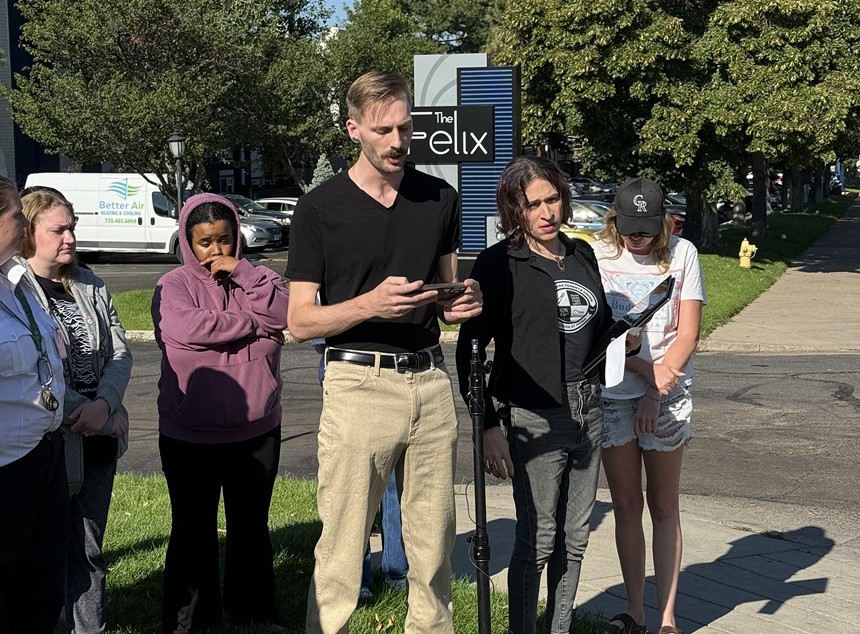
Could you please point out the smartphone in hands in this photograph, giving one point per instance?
(447, 290)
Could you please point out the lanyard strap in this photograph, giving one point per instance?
(34, 327)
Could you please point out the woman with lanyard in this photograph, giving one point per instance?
(34, 493)
(97, 372)
(544, 307)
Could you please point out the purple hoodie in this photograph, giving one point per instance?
(220, 373)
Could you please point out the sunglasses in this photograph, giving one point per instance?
(639, 234)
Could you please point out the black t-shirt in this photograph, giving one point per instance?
(79, 360)
(579, 313)
(347, 242)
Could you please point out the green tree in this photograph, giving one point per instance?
(621, 75)
(322, 172)
(377, 35)
(112, 79)
(786, 77)
(689, 93)
(462, 26)
(301, 122)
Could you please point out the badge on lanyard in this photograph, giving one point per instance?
(47, 377)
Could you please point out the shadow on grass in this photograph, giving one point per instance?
(135, 602)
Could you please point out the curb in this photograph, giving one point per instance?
(447, 336)
(451, 336)
(747, 347)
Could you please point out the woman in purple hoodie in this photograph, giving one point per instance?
(219, 322)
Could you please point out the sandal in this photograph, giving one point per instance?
(669, 629)
(629, 625)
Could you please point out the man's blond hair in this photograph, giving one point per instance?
(372, 89)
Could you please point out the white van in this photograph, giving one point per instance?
(127, 213)
(116, 212)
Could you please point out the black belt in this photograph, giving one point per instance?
(400, 361)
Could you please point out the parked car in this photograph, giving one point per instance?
(587, 215)
(603, 197)
(285, 205)
(248, 208)
(591, 186)
(259, 233)
(573, 232)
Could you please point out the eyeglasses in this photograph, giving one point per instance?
(639, 234)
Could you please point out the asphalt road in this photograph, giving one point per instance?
(130, 272)
(771, 428)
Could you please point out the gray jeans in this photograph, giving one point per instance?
(86, 601)
(556, 456)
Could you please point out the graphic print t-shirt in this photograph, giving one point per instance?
(80, 360)
(629, 279)
(578, 314)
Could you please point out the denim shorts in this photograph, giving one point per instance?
(673, 423)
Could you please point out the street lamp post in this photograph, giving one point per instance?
(176, 143)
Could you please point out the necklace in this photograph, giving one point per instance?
(558, 259)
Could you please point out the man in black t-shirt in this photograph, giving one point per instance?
(367, 240)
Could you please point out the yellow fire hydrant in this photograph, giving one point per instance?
(747, 253)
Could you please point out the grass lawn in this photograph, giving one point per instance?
(728, 286)
(136, 541)
(133, 308)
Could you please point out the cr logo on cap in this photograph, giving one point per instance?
(641, 205)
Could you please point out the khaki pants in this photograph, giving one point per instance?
(375, 420)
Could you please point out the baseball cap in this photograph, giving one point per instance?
(639, 207)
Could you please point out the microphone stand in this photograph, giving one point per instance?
(480, 540)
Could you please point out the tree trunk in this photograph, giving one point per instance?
(798, 195)
(710, 226)
(693, 219)
(786, 189)
(819, 192)
(761, 194)
(739, 214)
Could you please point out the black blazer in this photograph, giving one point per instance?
(520, 315)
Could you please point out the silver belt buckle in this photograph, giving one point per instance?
(405, 362)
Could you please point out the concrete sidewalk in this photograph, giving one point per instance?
(750, 567)
(813, 307)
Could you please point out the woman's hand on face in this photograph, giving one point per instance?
(666, 378)
(218, 263)
(646, 416)
(90, 418)
(497, 454)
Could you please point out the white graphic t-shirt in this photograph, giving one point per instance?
(628, 280)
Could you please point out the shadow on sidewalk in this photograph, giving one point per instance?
(502, 533)
(757, 569)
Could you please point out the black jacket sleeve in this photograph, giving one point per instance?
(481, 328)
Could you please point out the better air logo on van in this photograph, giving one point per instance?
(123, 189)
(121, 201)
